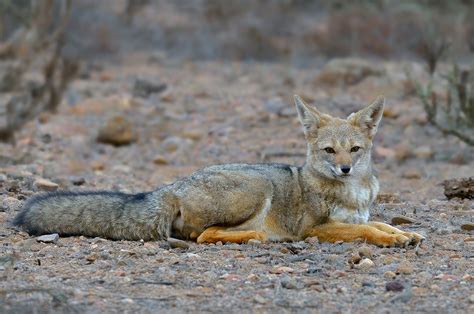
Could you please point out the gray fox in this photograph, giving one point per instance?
(329, 197)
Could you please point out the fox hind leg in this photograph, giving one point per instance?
(216, 234)
(413, 236)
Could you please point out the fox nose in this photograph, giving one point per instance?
(345, 169)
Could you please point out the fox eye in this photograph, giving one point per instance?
(330, 150)
(355, 149)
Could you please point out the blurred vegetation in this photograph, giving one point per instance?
(34, 33)
(451, 110)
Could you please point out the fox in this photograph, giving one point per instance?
(329, 197)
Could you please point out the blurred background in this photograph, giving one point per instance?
(156, 83)
(296, 31)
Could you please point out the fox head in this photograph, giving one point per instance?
(339, 148)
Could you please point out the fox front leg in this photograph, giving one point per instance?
(336, 231)
(414, 237)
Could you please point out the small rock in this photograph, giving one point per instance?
(423, 152)
(405, 268)
(281, 270)
(400, 220)
(48, 238)
(7, 262)
(402, 151)
(143, 88)
(91, 258)
(365, 251)
(254, 242)
(45, 185)
(411, 174)
(77, 180)
(388, 198)
(385, 152)
(160, 160)
(10, 204)
(471, 298)
(312, 240)
(389, 275)
(354, 259)
(175, 143)
(177, 244)
(194, 135)
(117, 131)
(230, 277)
(365, 263)
(467, 226)
(97, 165)
(260, 299)
(394, 285)
(290, 283)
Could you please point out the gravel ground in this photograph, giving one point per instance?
(208, 113)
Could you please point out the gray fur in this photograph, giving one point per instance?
(284, 201)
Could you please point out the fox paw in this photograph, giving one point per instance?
(392, 240)
(414, 237)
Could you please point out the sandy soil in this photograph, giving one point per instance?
(212, 113)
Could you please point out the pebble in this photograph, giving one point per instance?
(254, 242)
(365, 251)
(471, 298)
(290, 283)
(394, 285)
(160, 160)
(91, 258)
(467, 226)
(365, 263)
(48, 238)
(177, 244)
(10, 203)
(281, 270)
(45, 185)
(117, 131)
(389, 275)
(411, 174)
(260, 299)
(354, 259)
(423, 152)
(143, 88)
(388, 198)
(400, 220)
(194, 135)
(405, 267)
(312, 240)
(175, 143)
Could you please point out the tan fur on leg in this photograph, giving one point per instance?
(216, 234)
(332, 232)
(413, 236)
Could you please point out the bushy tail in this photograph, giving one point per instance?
(104, 214)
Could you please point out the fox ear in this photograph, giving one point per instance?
(310, 118)
(369, 118)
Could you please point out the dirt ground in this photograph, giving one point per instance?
(213, 112)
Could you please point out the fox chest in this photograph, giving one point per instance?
(353, 206)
